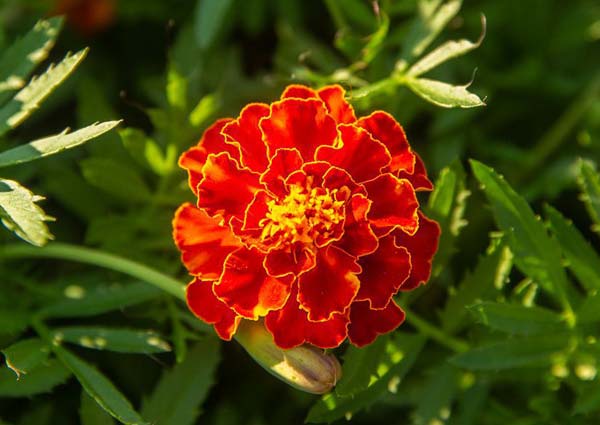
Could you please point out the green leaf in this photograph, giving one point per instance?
(518, 319)
(116, 178)
(581, 257)
(588, 398)
(490, 273)
(447, 205)
(29, 98)
(209, 19)
(13, 322)
(176, 89)
(536, 254)
(20, 213)
(102, 300)
(589, 182)
(445, 52)
(146, 152)
(438, 392)
(401, 352)
(512, 353)
(20, 59)
(444, 94)
(589, 310)
(427, 26)
(192, 378)
(26, 355)
(376, 40)
(118, 339)
(205, 109)
(42, 379)
(91, 413)
(54, 144)
(100, 388)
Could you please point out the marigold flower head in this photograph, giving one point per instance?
(307, 217)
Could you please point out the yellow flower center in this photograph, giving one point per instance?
(302, 216)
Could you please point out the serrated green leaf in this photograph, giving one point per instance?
(100, 388)
(447, 205)
(581, 257)
(402, 351)
(536, 254)
(40, 380)
(20, 59)
(444, 94)
(438, 392)
(54, 144)
(489, 274)
(445, 52)
(512, 353)
(193, 379)
(589, 182)
(91, 413)
(117, 339)
(30, 97)
(25, 355)
(115, 178)
(20, 213)
(518, 319)
(209, 19)
(103, 300)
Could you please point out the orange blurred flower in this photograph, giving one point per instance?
(87, 16)
(306, 216)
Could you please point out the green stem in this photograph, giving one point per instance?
(434, 333)
(336, 13)
(64, 251)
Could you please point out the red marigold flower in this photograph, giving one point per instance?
(306, 217)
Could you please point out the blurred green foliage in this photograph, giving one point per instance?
(506, 330)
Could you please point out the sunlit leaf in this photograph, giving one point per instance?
(20, 213)
(444, 94)
(518, 319)
(26, 355)
(117, 339)
(54, 144)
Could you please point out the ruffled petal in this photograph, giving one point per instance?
(385, 128)
(360, 155)
(283, 163)
(296, 260)
(422, 246)
(359, 239)
(204, 243)
(226, 189)
(418, 178)
(310, 175)
(246, 287)
(384, 271)
(212, 141)
(341, 111)
(366, 323)
(330, 286)
(298, 123)
(290, 327)
(245, 134)
(394, 203)
(337, 178)
(299, 91)
(204, 304)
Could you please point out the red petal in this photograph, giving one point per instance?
(385, 128)
(245, 134)
(394, 203)
(204, 304)
(298, 123)
(296, 260)
(338, 107)
(247, 289)
(419, 178)
(359, 239)
(360, 155)
(366, 324)
(257, 211)
(212, 141)
(336, 178)
(384, 272)
(299, 91)
(422, 246)
(310, 175)
(283, 163)
(330, 286)
(290, 327)
(226, 188)
(204, 243)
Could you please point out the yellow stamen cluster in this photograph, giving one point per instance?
(302, 216)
